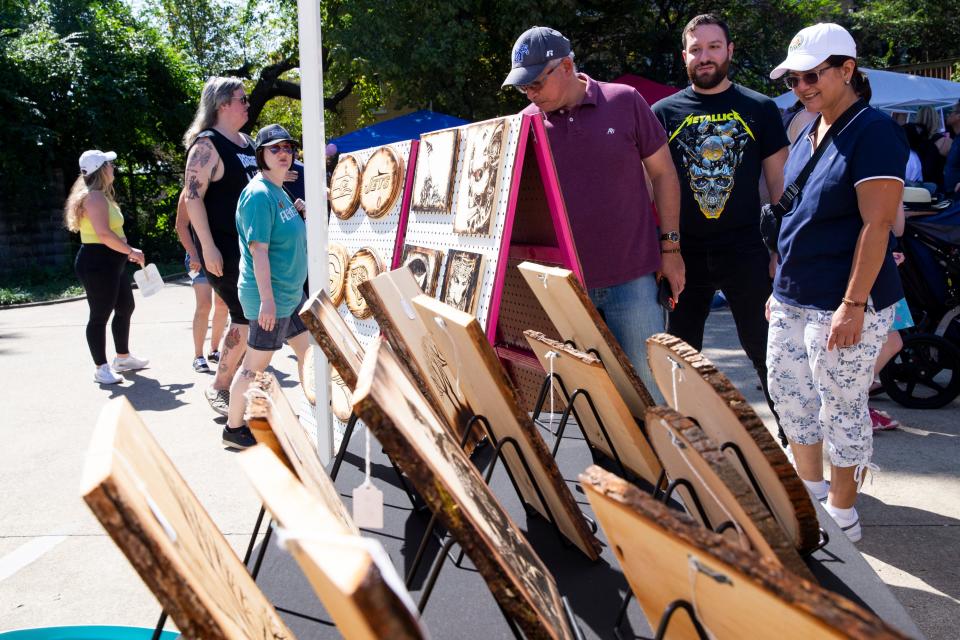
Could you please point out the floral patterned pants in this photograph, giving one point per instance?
(820, 394)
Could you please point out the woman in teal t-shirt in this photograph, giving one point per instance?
(273, 268)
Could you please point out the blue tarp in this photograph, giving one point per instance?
(408, 127)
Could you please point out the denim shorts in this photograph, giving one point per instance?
(200, 278)
(285, 329)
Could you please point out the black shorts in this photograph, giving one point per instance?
(283, 330)
(225, 286)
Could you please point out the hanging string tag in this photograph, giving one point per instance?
(551, 356)
(367, 499)
(676, 372)
(543, 278)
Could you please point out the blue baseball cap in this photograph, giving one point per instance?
(532, 51)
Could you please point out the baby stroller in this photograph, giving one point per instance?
(926, 372)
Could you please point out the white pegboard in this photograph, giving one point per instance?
(380, 234)
(435, 230)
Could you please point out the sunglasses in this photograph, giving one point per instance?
(810, 77)
(280, 148)
(242, 100)
(537, 84)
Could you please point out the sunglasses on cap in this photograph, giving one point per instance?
(810, 77)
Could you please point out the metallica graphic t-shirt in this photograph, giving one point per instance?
(718, 142)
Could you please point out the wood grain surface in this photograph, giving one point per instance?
(141, 500)
(410, 432)
(345, 187)
(381, 182)
(577, 319)
(345, 570)
(364, 265)
(489, 392)
(736, 594)
(708, 396)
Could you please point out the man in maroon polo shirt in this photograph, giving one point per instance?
(606, 143)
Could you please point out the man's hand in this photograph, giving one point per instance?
(675, 272)
(845, 327)
(213, 261)
(268, 315)
(291, 176)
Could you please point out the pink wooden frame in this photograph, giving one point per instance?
(405, 206)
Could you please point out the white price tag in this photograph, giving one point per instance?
(368, 507)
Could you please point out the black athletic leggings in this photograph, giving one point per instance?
(102, 271)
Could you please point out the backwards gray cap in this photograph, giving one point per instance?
(533, 50)
(273, 134)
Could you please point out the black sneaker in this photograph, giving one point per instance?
(214, 356)
(239, 438)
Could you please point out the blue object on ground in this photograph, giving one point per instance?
(408, 127)
(86, 633)
(719, 302)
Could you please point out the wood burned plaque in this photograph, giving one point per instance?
(338, 259)
(708, 396)
(490, 393)
(381, 182)
(273, 423)
(364, 265)
(688, 454)
(345, 187)
(389, 403)
(580, 370)
(736, 593)
(576, 318)
(144, 504)
(352, 576)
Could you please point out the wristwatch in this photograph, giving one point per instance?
(673, 236)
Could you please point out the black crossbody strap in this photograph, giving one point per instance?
(790, 194)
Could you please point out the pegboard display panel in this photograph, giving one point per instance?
(528, 382)
(520, 311)
(380, 234)
(435, 230)
(532, 222)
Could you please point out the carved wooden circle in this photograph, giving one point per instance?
(339, 397)
(337, 270)
(364, 265)
(381, 181)
(345, 187)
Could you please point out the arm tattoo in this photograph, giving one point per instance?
(193, 188)
(200, 156)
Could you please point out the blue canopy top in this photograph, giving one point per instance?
(408, 127)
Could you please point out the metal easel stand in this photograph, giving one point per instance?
(732, 446)
(498, 454)
(342, 451)
(545, 389)
(664, 619)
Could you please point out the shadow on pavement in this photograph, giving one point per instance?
(147, 394)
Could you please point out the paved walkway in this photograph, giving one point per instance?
(58, 567)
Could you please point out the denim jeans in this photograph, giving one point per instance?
(633, 315)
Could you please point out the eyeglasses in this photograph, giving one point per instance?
(810, 77)
(278, 148)
(242, 100)
(537, 84)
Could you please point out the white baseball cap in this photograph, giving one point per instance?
(92, 160)
(813, 45)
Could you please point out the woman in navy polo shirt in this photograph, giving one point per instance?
(836, 282)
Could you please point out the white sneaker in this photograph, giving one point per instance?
(849, 524)
(104, 375)
(130, 363)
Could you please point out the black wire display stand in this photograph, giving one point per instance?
(480, 421)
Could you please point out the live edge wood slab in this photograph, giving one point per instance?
(735, 593)
(708, 396)
(144, 504)
(351, 575)
(410, 432)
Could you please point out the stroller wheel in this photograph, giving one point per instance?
(925, 374)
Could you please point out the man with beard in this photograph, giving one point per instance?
(721, 135)
(606, 143)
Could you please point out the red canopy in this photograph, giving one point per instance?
(650, 90)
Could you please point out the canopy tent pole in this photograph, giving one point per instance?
(311, 102)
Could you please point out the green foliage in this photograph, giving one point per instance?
(892, 32)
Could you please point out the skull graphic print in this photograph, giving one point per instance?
(712, 147)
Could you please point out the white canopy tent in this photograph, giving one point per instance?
(900, 92)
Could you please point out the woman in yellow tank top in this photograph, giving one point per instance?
(100, 265)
